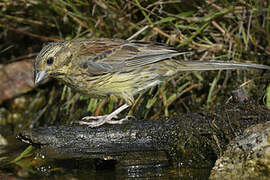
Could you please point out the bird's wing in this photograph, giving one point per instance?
(105, 55)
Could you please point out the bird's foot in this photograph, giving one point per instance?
(109, 118)
(100, 120)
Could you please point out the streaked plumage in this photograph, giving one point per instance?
(100, 67)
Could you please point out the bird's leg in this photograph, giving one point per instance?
(100, 120)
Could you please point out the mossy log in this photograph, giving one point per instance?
(192, 139)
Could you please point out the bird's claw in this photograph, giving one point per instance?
(96, 117)
(100, 120)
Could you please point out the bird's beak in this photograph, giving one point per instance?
(39, 76)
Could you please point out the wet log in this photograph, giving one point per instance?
(193, 139)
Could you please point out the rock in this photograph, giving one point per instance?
(247, 156)
(16, 78)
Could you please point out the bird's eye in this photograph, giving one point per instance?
(50, 60)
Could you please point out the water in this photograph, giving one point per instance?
(35, 165)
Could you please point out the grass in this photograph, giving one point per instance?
(226, 30)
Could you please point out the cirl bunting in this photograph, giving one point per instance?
(100, 67)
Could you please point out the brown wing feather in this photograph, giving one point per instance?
(98, 46)
(105, 55)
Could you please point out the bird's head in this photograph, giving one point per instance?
(52, 61)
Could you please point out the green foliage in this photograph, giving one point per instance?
(226, 30)
(24, 153)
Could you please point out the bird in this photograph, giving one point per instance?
(123, 68)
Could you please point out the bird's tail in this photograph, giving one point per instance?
(218, 65)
